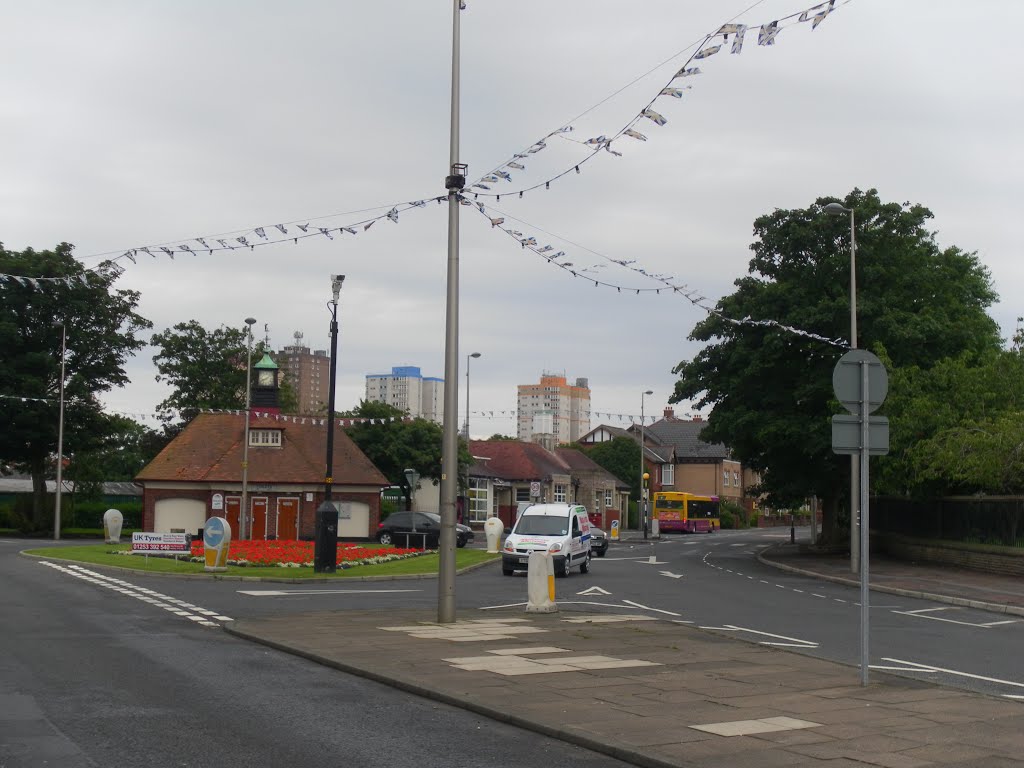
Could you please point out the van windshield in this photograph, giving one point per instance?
(542, 525)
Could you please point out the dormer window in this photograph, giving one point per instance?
(265, 437)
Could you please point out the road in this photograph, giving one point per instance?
(152, 643)
(92, 676)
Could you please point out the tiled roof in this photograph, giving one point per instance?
(684, 436)
(210, 449)
(515, 460)
(658, 454)
(580, 462)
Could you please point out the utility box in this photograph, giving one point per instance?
(325, 539)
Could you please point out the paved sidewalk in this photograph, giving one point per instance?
(661, 693)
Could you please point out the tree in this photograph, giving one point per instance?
(501, 438)
(621, 457)
(206, 370)
(125, 449)
(394, 442)
(101, 324)
(770, 386)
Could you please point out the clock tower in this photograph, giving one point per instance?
(265, 385)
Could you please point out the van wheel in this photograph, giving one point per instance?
(565, 567)
(585, 565)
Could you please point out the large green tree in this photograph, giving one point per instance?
(125, 449)
(56, 294)
(206, 370)
(769, 386)
(621, 457)
(394, 442)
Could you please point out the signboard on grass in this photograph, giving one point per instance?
(161, 542)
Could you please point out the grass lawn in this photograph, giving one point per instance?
(102, 554)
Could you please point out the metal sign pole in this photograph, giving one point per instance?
(864, 454)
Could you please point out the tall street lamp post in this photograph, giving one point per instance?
(643, 475)
(60, 435)
(325, 540)
(249, 322)
(835, 209)
(455, 182)
(468, 358)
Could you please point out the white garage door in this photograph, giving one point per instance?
(179, 515)
(357, 525)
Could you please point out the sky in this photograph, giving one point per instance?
(133, 124)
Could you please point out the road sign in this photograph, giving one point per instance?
(846, 434)
(847, 380)
(534, 490)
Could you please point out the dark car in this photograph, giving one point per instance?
(598, 541)
(397, 529)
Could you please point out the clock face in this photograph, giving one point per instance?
(265, 378)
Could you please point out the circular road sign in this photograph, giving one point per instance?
(847, 380)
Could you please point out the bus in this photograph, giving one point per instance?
(686, 512)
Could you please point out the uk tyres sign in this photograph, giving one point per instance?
(161, 542)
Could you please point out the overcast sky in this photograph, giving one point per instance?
(130, 124)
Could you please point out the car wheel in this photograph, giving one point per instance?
(508, 571)
(460, 542)
(602, 552)
(585, 565)
(384, 537)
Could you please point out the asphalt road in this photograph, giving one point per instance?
(91, 675)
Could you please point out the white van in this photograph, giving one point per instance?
(561, 529)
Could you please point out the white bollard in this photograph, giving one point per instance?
(540, 583)
(655, 532)
(493, 529)
(112, 522)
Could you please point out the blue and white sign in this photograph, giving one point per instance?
(213, 532)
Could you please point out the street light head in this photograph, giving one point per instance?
(336, 281)
(835, 209)
(649, 392)
(647, 476)
(250, 321)
(475, 354)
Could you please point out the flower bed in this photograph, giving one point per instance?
(298, 554)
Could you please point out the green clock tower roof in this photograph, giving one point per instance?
(266, 363)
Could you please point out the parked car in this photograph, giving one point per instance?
(397, 530)
(598, 542)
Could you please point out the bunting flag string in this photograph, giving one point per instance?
(321, 421)
(243, 239)
(710, 45)
(667, 283)
(622, 417)
(102, 271)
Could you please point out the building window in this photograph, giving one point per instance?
(668, 474)
(479, 499)
(271, 437)
(559, 497)
(597, 502)
(523, 494)
(725, 477)
(736, 479)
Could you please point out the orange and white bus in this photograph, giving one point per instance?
(686, 512)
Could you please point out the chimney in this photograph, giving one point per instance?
(697, 417)
(670, 412)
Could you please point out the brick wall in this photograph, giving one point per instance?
(978, 560)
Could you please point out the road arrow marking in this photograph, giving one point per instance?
(594, 591)
(671, 575)
(652, 560)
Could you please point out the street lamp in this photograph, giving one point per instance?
(249, 322)
(60, 434)
(835, 209)
(325, 539)
(468, 358)
(643, 475)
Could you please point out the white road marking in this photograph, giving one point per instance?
(792, 641)
(170, 604)
(671, 575)
(287, 592)
(930, 668)
(983, 625)
(652, 560)
(648, 608)
(595, 590)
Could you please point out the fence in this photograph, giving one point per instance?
(993, 520)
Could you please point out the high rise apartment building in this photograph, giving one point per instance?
(308, 374)
(406, 388)
(553, 412)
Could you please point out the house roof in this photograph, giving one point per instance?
(658, 454)
(580, 462)
(684, 436)
(211, 447)
(514, 460)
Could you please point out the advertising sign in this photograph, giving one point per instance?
(161, 542)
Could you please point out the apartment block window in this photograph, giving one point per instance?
(559, 497)
(668, 474)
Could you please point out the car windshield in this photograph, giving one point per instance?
(542, 525)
